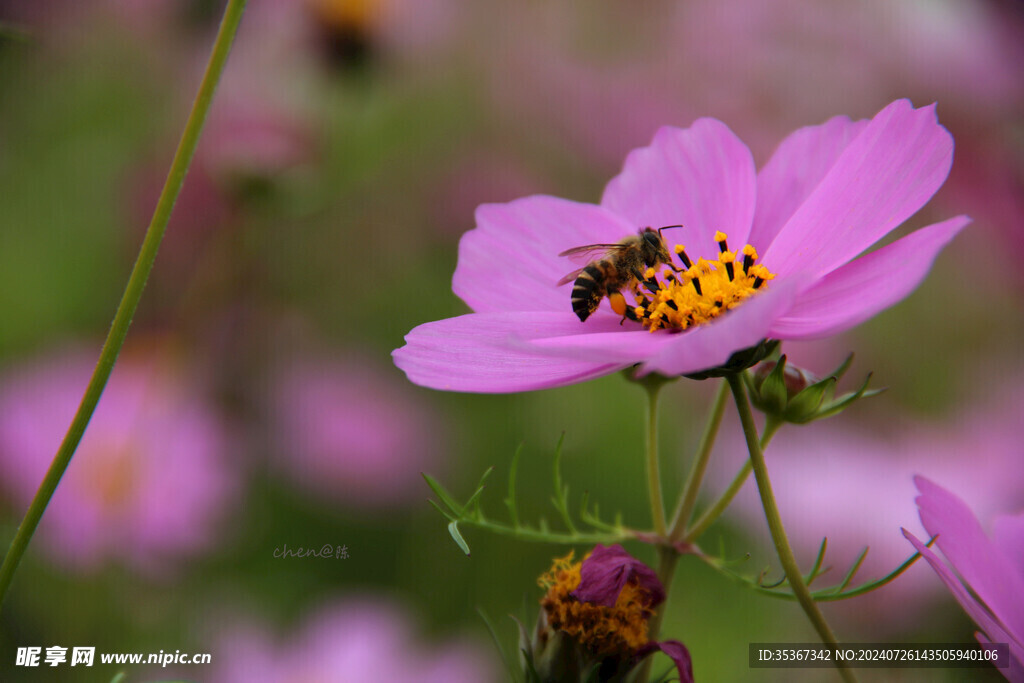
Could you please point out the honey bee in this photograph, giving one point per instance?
(612, 267)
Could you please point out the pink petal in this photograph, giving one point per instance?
(625, 346)
(974, 610)
(853, 293)
(676, 651)
(702, 177)
(882, 178)
(680, 657)
(480, 353)
(1015, 671)
(795, 169)
(607, 570)
(1008, 535)
(510, 261)
(998, 583)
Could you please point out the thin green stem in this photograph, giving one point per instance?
(778, 532)
(653, 472)
(693, 481)
(132, 293)
(719, 506)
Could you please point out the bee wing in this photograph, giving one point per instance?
(589, 252)
(570, 277)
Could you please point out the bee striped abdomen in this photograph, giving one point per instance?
(588, 290)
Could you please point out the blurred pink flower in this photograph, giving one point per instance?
(250, 138)
(991, 569)
(476, 179)
(357, 641)
(247, 146)
(855, 487)
(763, 67)
(828, 193)
(200, 212)
(150, 480)
(767, 67)
(347, 432)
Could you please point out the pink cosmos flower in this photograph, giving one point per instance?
(828, 193)
(358, 641)
(150, 480)
(990, 586)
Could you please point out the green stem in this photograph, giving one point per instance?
(653, 472)
(723, 502)
(771, 512)
(700, 464)
(132, 293)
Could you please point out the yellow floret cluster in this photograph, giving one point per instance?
(676, 300)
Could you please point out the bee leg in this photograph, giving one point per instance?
(651, 284)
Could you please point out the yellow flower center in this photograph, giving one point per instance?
(338, 13)
(602, 630)
(109, 472)
(676, 299)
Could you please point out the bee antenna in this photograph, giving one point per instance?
(668, 227)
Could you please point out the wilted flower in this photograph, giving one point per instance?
(150, 479)
(594, 620)
(797, 227)
(358, 641)
(990, 586)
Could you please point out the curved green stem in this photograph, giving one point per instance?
(653, 471)
(700, 464)
(771, 511)
(132, 293)
(715, 511)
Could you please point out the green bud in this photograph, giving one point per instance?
(791, 394)
(561, 659)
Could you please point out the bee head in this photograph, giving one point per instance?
(654, 247)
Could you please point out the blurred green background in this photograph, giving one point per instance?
(348, 149)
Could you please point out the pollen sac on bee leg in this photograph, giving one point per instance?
(618, 303)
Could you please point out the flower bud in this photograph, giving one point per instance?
(791, 394)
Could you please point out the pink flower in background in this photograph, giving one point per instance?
(347, 432)
(356, 641)
(991, 569)
(767, 67)
(247, 145)
(249, 138)
(828, 193)
(762, 67)
(150, 480)
(855, 487)
(476, 179)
